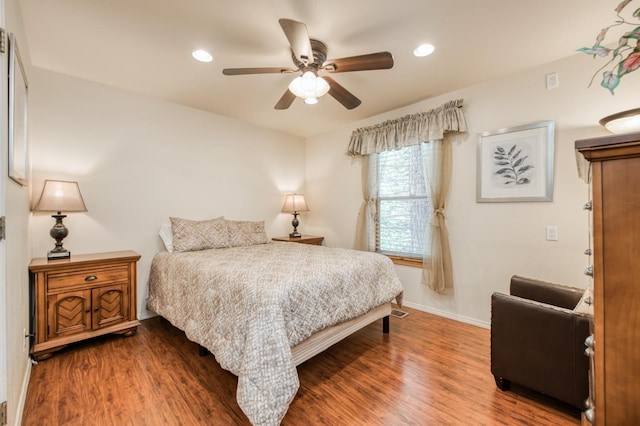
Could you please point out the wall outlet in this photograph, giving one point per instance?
(552, 81)
(552, 233)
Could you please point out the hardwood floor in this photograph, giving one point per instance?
(428, 371)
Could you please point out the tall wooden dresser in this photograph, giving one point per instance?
(615, 171)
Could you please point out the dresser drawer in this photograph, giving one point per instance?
(90, 276)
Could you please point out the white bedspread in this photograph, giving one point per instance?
(250, 305)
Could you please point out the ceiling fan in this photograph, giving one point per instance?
(310, 57)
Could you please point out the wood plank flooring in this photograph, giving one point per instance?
(428, 371)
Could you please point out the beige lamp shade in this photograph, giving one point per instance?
(60, 196)
(294, 203)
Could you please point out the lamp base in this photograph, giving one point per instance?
(58, 233)
(55, 255)
(295, 223)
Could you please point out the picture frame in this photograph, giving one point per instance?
(515, 164)
(18, 115)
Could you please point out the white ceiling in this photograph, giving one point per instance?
(145, 46)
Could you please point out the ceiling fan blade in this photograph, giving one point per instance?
(286, 100)
(298, 37)
(342, 95)
(372, 61)
(244, 71)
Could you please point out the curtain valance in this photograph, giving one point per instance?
(409, 130)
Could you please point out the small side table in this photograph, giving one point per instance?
(305, 239)
(85, 296)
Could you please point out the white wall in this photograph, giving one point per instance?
(138, 161)
(489, 241)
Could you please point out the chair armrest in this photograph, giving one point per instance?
(540, 346)
(545, 292)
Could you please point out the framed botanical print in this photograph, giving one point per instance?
(516, 164)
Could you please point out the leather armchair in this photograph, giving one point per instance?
(537, 340)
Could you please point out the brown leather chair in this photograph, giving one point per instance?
(537, 340)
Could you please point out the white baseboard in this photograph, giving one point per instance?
(146, 315)
(449, 315)
(23, 394)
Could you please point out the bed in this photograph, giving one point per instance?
(262, 309)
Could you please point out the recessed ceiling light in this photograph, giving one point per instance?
(423, 50)
(202, 55)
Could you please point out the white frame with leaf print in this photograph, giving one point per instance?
(516, 164)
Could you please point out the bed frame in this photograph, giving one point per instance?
(323, 339)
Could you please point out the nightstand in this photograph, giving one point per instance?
(305, 239)
(82, 297)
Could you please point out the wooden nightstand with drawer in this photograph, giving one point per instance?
(305, 239)
(82, 297)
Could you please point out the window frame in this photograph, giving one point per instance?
(396, 258)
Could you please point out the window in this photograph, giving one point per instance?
(404, 209)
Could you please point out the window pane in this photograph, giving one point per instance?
(401, 173)
(402, 226)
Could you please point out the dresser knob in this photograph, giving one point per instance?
(91, 278)
(589, 415)
(588, 342)
(588, 206)
(589, 271)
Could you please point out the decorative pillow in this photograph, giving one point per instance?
(585, 305)
(191, 235)
(246, 233)
(166, 235)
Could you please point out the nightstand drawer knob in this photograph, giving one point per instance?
(91, 278)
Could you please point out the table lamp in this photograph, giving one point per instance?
(294, 203)
(60, 196)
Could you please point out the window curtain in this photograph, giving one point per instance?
(425, 127)
(437, 271)
(365, 227)
(408, 130)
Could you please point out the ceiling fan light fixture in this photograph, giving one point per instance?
(323, 87)
(308, 82)
(309, 87)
